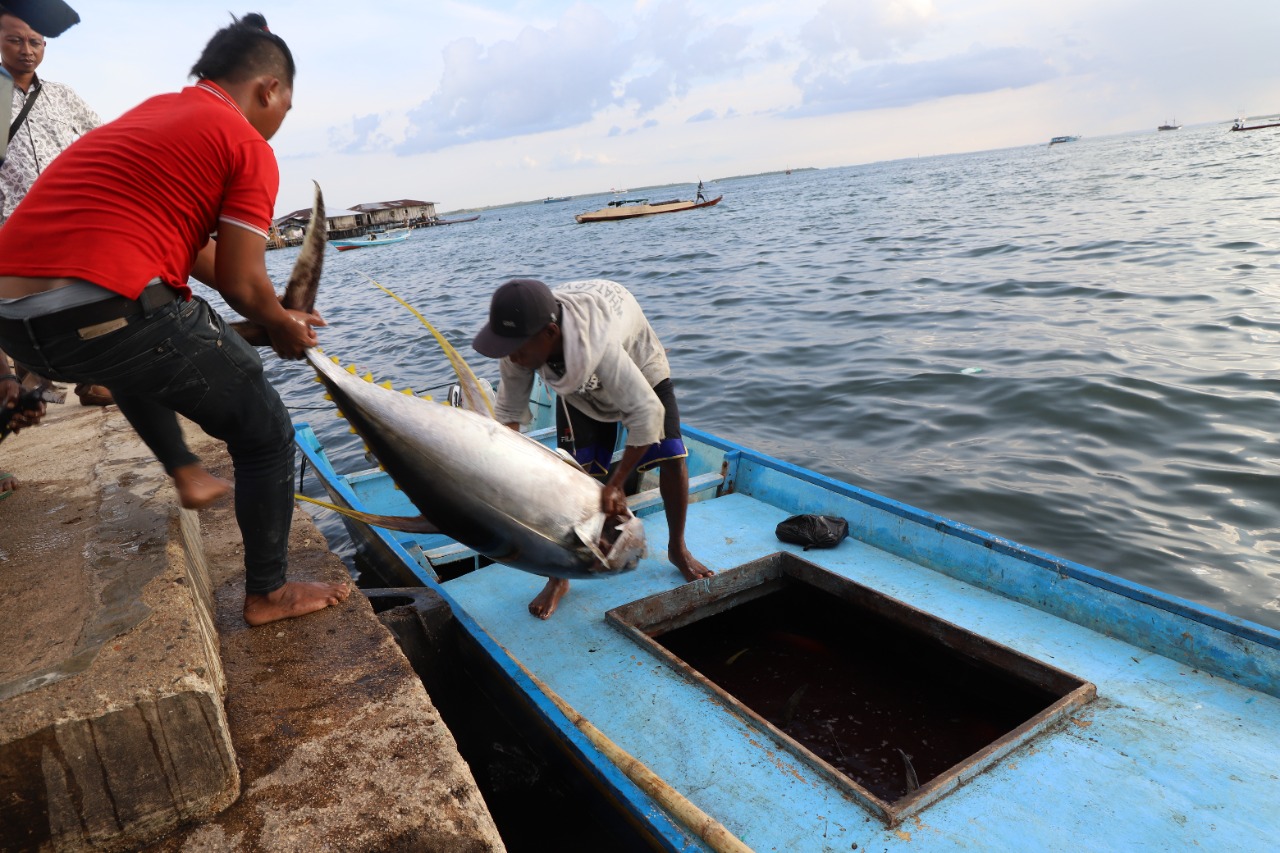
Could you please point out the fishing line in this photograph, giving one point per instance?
(460, 366)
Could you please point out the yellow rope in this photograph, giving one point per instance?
(460, 367)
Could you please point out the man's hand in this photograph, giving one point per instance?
(291, 337)
(613, 501)
(10, 388)
(26, 412)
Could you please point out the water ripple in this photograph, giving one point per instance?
(1072, 347)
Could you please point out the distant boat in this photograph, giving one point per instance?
(1240, 125)
(1058, 139)
(554, 199)
(455, 221)
(376, 239)
(628, 210)
(1172, 125)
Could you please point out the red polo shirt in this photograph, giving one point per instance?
(138, 197)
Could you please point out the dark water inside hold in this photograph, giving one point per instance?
(1073, 347)
(855, 689)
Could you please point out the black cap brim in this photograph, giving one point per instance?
(50, 18)
(492, 345)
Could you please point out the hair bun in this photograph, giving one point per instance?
(254, 20)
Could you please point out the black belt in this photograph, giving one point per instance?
(83, 318)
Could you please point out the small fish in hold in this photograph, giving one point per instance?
(913, 782)
(789, 709)
(733, 657)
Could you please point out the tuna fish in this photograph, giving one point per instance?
(477, 481)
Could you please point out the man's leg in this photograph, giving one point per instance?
(591, 443)
(673, 485)
(227, 394)
(158, 428)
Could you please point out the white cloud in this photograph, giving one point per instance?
(903, 84)
(542, 80)
(865, 29)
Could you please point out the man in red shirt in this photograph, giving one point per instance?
(93, 288)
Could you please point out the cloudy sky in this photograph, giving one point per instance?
(479, 103)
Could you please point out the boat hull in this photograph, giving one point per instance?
(365, 242)
(635, 211)
(1186, 695)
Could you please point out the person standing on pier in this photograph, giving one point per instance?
(48, 117)
(594, 347)
(142, 194)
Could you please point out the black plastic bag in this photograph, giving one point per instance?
(813, 531)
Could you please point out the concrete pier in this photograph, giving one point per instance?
(138, 711)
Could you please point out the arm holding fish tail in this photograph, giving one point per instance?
(613, 500)
(235, 266)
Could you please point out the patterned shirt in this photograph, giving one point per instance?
(58, 118)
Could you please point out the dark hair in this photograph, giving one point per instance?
(244, 49)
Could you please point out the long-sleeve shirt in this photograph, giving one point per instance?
(612, 360)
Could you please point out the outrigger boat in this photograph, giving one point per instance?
(633, 209)
(375, 239)
(1240, 125)
(922, 685)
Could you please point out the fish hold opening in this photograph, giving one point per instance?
(890, 703)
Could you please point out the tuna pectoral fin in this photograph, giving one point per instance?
(567, 457)
(403, 523)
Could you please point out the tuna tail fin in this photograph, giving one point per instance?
(403, 523)
(472, 391)
(304, 280)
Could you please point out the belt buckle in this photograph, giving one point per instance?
(97, 330)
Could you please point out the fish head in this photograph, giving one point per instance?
(615, 543)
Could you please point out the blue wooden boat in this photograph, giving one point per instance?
(987, 696)
(374, 239)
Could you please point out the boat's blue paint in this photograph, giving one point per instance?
(1164, 624)
(613, 785)
(1180, 749)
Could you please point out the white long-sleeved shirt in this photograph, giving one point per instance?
(612, 360)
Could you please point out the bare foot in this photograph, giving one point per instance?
(544, 603)
(8, 485)
(688, 566)
(295, 598)
(197, 488)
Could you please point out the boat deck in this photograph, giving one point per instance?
(1167, 756)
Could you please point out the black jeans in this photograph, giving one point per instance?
(183, 358)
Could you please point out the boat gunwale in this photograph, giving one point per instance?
(1214, 631)
(1176, 605)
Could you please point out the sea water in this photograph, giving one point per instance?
(1076, 347)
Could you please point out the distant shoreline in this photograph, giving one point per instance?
(631, 192)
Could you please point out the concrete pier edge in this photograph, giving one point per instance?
(142, 713)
